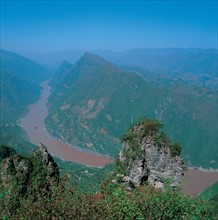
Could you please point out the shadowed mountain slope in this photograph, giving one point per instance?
(20, 86)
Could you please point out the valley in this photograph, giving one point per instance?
(19, 87)
(195, 180)
(84, 109)
(96, 101)
(33, 124)
(109, 110)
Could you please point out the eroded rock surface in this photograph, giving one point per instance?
(147, 155)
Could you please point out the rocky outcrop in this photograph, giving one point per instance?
(44, 160)
(148, 156)
(14, 170)
(20, 174)
(161, 163)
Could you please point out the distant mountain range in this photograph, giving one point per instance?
(180, 60)
(195, 61)
(95, 102)
(168, 66)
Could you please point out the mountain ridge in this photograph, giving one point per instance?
(132, 55)
(95, 104)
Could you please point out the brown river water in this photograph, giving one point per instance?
(34, 126)
(195, 180)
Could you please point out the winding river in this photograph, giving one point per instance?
(195, 180)
(34, 126)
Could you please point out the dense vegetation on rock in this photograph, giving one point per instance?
(96, 102)
(150, 128)
(33, 189)
(6, 151)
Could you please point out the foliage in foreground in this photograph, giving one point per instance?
(84, 178)
(31, 188)
(211, 194)
(64, 202)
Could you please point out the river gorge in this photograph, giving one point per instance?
(195, 180)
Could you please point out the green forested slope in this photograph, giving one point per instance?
(60, 73)
(19, 86)
(96, 102)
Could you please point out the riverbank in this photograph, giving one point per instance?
(195, 180)
(34, 126)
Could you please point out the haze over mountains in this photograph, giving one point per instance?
(94, 101)
(193, 66)
(121, 99)
(170, 59)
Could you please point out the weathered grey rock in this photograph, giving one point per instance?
(162, 164)
(136, 169)
(153, 161)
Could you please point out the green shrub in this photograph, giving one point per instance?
(113, 202)
(145, 128)
(6, 151)
(175, 149)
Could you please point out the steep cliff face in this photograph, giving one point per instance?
(148, 155)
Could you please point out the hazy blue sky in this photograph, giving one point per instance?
(43, 26)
